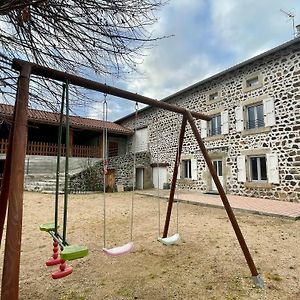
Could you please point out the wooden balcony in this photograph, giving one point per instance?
(50, 149)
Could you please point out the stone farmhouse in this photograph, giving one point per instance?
(253, 137)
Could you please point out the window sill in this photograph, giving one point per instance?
(254, 185)
(185, 180)
(256, 131)
(214, 137)
(208, 102)
(247, 89)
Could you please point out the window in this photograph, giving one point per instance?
(255, 116)
(219, 124)
(215, 125)
(187, 168)
(213, 96)
(255, 113)
(140, 140)
(251, 82)
(113, 149)
(258, 168)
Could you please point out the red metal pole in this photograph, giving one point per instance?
(174, 179)
(223, 196)
(11, 266)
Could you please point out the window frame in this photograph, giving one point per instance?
(259, 169)
(186, 168)
(257, 121)
(217, 130)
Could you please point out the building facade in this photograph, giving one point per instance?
(253, 138)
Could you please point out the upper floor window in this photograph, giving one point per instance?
(255, 116)
(219, 124)
(140, 140)
(215, 125)
(252, 82)
(213, 96)
(113, 149)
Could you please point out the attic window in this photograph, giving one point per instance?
(253, 81)
(213, 96)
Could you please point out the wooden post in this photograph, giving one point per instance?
(11, 266)
(174, 179)
(223, 196)
(6, 179)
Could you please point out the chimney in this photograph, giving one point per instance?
(298, 30)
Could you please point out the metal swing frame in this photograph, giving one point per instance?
(13, 176)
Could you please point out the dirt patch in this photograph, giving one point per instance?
(206, 264)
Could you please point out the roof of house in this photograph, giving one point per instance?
(52, 118)
(292, 42)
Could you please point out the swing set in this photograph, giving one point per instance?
(68, 252)
(13, 177)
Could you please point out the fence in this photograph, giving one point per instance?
(50, 149)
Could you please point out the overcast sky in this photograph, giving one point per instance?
(209, 36)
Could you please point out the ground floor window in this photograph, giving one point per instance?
(258, 168)
(187, 168)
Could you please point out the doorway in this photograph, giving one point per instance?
(139, 184)
(218, 165)
(159, 177)
(110, 179)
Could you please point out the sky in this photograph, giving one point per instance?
(208, 36)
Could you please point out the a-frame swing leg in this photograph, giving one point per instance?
(256, 278)
(174, 179)
(11, 265)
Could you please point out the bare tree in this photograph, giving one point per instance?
(78, 36)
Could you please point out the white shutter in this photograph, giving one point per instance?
(224, 122)
(203, 128)
(239, 118)
(179, 171)
(194, 169)
(272, 168)
(269, 112)
(141, 140)
(241, 168)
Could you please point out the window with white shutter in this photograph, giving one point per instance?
(203, 128)
(241, 168)
(140, 140)
(239, 118)
(194, 169)
(269, 112)
(224, 122)
(272, 168)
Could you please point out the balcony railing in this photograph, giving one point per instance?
(215, 131)
(257, 123)
(50, 149)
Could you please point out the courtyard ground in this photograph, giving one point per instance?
(206, 264)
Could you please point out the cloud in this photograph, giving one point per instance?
(209, 36)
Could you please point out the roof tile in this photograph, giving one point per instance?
(75, 121)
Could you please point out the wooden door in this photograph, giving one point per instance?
(110, 180)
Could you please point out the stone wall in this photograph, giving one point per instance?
(279, 76)
(91, 179)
